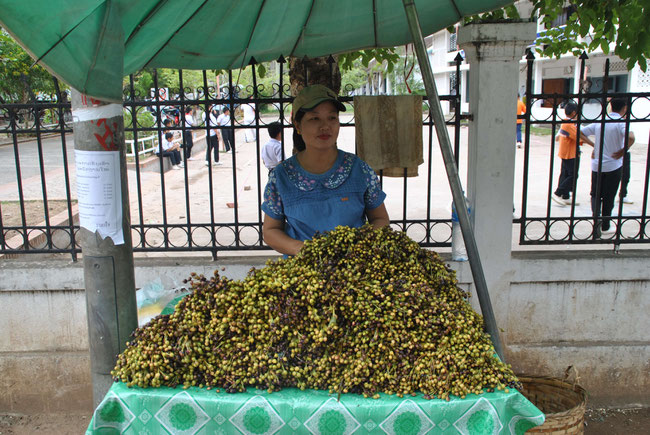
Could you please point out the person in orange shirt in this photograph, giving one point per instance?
(570, 154)
(521, 109)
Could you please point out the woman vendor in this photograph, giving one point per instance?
(320, 187)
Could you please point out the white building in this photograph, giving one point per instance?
(551, 75)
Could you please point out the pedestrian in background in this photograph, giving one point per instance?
(250, 134)
(213, 137)
(521, 109)
(615, 145)
(625, 179)
(188, 141)
(170, 149)
(272, 150)
(569, 152)
(227, 134)
(169, 124)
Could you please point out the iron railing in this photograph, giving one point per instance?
(217, 209)
(543, 222)
(194, 220)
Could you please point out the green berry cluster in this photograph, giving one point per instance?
(357, 311)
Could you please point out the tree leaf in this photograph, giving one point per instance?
(261, 70)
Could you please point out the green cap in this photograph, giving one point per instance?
(311, 96)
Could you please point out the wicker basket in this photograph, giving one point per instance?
(563, 403)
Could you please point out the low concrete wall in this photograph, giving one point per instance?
(588, 310)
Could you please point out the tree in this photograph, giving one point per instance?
(355, 77)
(409, 80)
(19, 80)
(627, 22)
(142, 83)
(318, 69)
(624, 22)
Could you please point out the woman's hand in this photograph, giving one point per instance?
(276, 238)
(378, 217)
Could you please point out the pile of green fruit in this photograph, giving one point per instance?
(358, 310)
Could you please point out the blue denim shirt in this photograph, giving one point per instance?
(320, 202)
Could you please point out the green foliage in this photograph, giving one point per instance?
(17, 76)
(625, 22)
(347, 60)
(356, 71)
(143, 81)
(355, 76)
(496, 16)
(169, 78)
(414, 79)
(266, 75)
(356, 66)
(144, 118)
(601, 22)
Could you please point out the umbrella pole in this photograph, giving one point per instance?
(452, 175)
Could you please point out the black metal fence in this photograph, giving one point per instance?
(216, 208)
(183, 211)
(578, 221)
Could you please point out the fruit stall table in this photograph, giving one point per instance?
(291, 411)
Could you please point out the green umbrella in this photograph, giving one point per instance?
(93, 44)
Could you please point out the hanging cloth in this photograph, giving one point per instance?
(389, 133)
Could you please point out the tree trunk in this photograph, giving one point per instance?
(317, 70)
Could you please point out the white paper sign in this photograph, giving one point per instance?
(99, 193)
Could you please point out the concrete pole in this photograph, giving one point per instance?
(105, 234)
(452, 176)
(493, 51)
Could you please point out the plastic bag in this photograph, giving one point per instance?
(153, 297)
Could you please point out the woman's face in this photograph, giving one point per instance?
(320, 126)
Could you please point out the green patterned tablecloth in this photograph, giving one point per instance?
(291, 411)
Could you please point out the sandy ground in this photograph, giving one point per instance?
(597, 422)
(55, 424)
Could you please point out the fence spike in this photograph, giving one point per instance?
(459, 57)
(281, 59)
(584, 56)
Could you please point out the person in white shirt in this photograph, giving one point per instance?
(272, 150)
(249, 119)
(169, 124)
(213, 137)
(170, 149)
(227, 134)
(188, 141)
(615, 144)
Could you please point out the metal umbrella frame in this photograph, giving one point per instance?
(454, 180)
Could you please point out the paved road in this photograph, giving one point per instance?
(27, 152)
